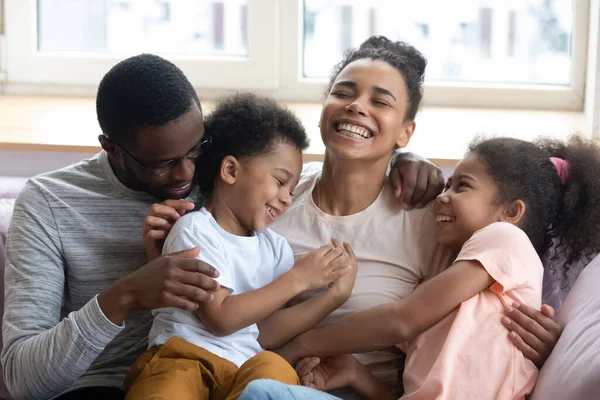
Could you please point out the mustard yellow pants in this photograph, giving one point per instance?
(180, 370)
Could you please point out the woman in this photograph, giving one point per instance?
(369, 112)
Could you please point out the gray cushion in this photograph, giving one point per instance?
(9, 189)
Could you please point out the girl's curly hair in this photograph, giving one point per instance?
(567, 215)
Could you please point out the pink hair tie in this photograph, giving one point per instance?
(562, 168)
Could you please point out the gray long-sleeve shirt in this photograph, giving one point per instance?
(74, 232)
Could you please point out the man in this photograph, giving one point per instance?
(78, 285)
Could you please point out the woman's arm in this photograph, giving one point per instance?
(392, 323)
(286, 323)
(534, 332)
(341, 372)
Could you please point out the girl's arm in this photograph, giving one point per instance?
(392, 323)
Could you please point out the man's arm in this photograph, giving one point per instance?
(43, 356)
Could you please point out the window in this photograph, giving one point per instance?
(167, 27)
(515, 42)
(510, 53)
(218, 43)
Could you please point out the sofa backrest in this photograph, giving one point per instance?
(572, 372)
(9, 189)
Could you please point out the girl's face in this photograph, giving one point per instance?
(363, 114)
(469, 203)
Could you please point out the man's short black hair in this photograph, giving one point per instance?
(144, 90)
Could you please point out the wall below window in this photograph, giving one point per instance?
(30, 163)
(40, 134)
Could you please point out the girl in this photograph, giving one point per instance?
(506, 202)
(248, 177)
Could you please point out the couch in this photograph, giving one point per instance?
(9, 188)
(571, 373)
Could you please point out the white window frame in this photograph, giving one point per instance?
(274, 64)
(2, 45)
(256, 71)
(449, 94)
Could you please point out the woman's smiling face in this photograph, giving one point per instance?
(363, 114)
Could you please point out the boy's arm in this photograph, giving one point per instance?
(287, 323)
(227, 314)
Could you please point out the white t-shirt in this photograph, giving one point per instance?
(395, 249)
(244, 264)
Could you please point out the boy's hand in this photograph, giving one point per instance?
(343, 286)
(158, 224)
(319, 268)
(328, 374)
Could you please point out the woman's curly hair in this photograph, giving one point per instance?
(400, 55)
(568, 214)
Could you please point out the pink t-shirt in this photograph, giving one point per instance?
(468, 355)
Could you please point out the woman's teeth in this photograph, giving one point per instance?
(354, 131)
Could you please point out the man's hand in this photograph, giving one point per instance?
(534, 332)
(415, 181)
(174, 280)
(158, 224)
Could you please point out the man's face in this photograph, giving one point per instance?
(157, 145)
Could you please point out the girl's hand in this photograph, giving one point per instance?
(343, 286)
(328, 374)
(534, 332)
(158, 224)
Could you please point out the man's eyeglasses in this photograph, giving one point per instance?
(164, 167)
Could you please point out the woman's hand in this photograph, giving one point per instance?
(328, 374)
(340, 372)
(534, 332)
(415, 181)
(158, 224)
